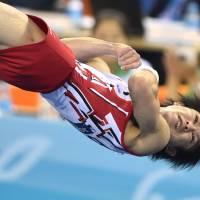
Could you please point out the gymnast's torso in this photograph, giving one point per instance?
(97, 104)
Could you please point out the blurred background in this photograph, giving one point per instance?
(42, 157)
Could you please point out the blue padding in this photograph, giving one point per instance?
(50, 160)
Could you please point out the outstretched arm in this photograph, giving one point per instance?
(86, 48)
(154, 131)
(20, 30)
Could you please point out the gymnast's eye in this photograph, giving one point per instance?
(196, 119)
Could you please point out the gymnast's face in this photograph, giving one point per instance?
(184, 126)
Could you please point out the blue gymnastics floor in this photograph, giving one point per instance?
(50, 160)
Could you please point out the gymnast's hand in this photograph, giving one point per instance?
(127, 57)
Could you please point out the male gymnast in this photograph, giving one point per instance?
(125, 118)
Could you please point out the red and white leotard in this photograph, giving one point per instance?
(98, 105)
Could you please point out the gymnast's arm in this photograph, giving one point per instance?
(154, 132)
(86, 48)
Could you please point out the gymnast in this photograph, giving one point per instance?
(126, 118)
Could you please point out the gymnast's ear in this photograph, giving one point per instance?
(170, 151)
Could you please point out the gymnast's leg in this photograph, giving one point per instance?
(16, 28)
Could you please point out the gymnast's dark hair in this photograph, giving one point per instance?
(183, 158)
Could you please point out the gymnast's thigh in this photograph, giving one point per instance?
(17, 28)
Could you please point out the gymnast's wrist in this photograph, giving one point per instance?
(112, 49)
